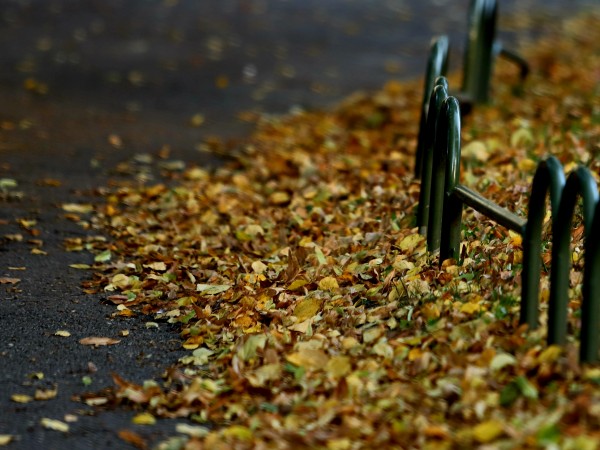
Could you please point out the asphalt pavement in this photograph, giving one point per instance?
(88, 85)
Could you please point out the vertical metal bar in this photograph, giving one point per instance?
(453, 206)
(440, 93)
(549, 177)
(438, 173)
(478, 58)
(437, 65)
(590, 307)
(579, 183)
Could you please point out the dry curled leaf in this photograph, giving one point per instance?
(98, 341)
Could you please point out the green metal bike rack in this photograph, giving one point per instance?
(439, 94)
(437, 65)
(481, 50)
(447, 198)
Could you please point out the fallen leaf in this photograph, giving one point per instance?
(21, 398)
(502, 360)
(338, 366)
(328, 284)
(212, 289)
(192, 430)
(261, 376)
(45, 394)
(133, 438)
(307, 308)
(6, 439)
(98, 341)
(55, 425)
(80, 266)
(78, 208)
(488, 431)
(62, 333)
(144, 419)
(5, 280)
(309, 359)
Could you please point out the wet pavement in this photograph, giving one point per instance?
(85, 85)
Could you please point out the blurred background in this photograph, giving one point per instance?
(205, 61)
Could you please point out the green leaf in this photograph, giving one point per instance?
(320, 256)
(103, 257)
(527, 389)
(509, 394)
(212, 289)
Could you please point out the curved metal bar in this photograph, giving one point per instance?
(440, 93)
(447, 146)
(590, 307)
(549, 177)
(579, 183)
(437, 65)
(478, 59)
(453, 204)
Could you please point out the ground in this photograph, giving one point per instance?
(88, 85)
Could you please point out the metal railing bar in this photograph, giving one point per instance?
(549, 178)
(580, 183)
(447, 146)
(439, 94)
(490, 209)
(590, 306)
(437, 65)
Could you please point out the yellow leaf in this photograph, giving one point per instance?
(268, 372)
(159, 266)
(307, 308)
(45, 394)
(410, 242)
(279, 198)
(431, 311)
(80, 266)
(259, 267)
(6, 439)
(144, 419)
(193, 342)
(328, 284)
(550, 354)
(414, 353)
(515, 238)
(502, 360)
(470, 308)
(297, 284)
(55, 425)
(62, 333)
(21, 398)
(372, 334)
(339, 444)
(309, 358)
(338, 366)
(78, 208)
(488, 431)
(521, 137)
(475, 150)
(238, 432)
(120, 280)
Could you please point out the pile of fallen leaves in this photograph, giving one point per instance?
(313, 315)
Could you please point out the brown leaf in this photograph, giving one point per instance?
(98, 341)
(131, 437)
(6, 280)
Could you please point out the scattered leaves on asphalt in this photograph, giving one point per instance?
(312, 313)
